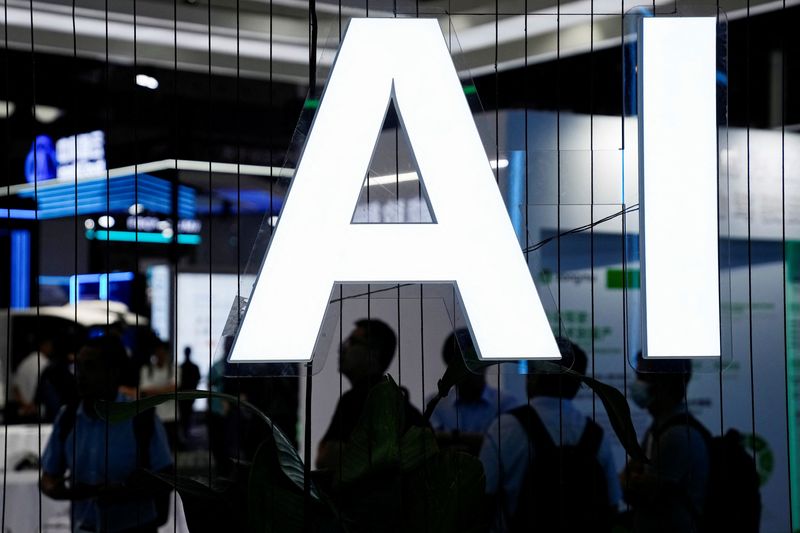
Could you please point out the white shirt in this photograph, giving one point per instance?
(506, 449)
(453, 413)
(26, 378)
(155, 376)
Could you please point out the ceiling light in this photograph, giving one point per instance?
(498, 163)
(148, 82)
(46, 113)
(6, 108)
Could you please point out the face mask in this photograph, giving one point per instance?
(640, 394)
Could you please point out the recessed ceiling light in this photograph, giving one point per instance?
(6, 108)
(148, 82)
(46, 113)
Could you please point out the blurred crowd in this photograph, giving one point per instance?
(537, 452)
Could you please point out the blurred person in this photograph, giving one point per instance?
(159, 377)
(218, 418)
(57, 386)
(364, 358)
(189, 379)
(548, 466)
(26, 378)
(667, 494)
(461, 418)
(92, 462)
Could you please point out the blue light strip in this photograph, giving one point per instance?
(103, 290)
(54, 280)
(132, 236)
(115, 195)
(20, 269)
(21, 214)
(103, 280)
(517, 203)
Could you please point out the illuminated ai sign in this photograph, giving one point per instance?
(316, 245)
(408, 61)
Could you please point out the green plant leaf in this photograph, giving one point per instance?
(617, 408)
(375, 442)
(209, 508)
(287, 456)
(619, 414)
(445, 495)
(417, 445)
(274, 503)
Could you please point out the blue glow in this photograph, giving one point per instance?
(516, 206)
(54, 280)
(21, 214)
(132, 236)
(516, 192)
(20, 269)
(40, 163)
(103, 281)
(112, 195)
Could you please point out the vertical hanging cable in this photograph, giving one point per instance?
(7, 362)
(107, 124)
(591, 199)
(136, 211)
(36, 240)
(173, 244)
(73, 473)
(312, 85)
(623, 231)
(786, 325)
(497, 178)
(749, 235)
(209, 148)
(721, 363)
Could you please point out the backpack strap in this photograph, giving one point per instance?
(529, 419)
(683, 419)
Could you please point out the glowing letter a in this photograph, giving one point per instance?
(315, 245)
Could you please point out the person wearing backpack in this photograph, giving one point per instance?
(668, 494)
(549, 467)
(695, 482)
(95, 463)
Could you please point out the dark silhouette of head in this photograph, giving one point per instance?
(560, 385)
(187, 353)
(456, 346)
(161, 353)
(666, 382)
(368, 351)
(99, 367)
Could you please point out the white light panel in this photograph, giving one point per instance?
(678, 187)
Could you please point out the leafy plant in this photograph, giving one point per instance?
(388, 478)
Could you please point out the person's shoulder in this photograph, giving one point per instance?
(505, 424)
(28, 363)
(679, 434)
(509, 402)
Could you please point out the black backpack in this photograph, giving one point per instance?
(143, 429)
(565, 488)
(733, 500)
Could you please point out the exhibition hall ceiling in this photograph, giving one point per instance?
(482, 33)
